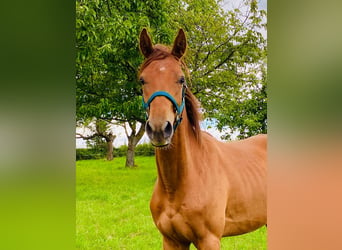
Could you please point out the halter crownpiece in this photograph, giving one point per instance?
(179, 108)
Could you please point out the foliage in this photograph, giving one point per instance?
(112, 208)
(98, 145)
(227, 60)
(101, 140)
(121, 151)
(108, 56)
(145, 149)
(88, 154)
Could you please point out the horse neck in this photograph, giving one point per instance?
(173, 162)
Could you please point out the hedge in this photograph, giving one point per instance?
(88, 153)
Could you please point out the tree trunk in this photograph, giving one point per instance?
(110, 150)
(130, 153)
(110, 139)
(133, 140)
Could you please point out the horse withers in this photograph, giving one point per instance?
(206, 189)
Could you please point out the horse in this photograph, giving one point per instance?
(205, 189)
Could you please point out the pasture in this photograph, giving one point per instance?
(112, 208)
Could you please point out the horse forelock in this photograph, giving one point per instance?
(192, 105)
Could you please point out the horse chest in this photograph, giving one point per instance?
(174, 222)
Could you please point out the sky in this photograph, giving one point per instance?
(263, 4)
(119, 131)
(231, 4)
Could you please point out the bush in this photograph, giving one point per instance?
(145, 149)
(121, 151)
(87, 154)
(91, 153)
(140, 150)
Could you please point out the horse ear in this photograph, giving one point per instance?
(179, 45)
(145, 43)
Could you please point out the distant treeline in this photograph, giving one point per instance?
(94, 153)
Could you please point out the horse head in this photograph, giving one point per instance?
(163, 86)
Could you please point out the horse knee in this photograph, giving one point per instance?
(209, 243)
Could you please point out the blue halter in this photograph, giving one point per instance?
(179, 109)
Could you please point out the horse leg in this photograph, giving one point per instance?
(210, 242)
(169, 244)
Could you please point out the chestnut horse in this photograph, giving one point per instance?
(206, 189)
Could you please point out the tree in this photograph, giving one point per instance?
(226, 58)
(227, 61)
(108, 58)
(133, 138)
(101, 130)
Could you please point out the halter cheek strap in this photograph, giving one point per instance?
(179, 108)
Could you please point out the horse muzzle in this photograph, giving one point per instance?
(159, 134)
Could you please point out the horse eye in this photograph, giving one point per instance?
(141, 80)
(181, 80)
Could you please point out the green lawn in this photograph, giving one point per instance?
(112, 208)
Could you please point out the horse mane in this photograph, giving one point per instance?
(192, 105)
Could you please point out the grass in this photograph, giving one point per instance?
(112, 208)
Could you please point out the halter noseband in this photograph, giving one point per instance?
(179, 109)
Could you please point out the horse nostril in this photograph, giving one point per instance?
(168, 130)
(148, 128)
